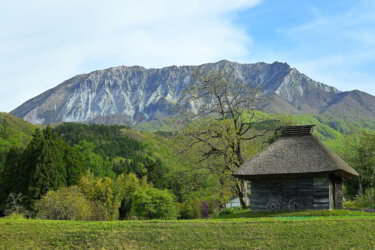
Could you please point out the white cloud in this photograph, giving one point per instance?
(45, 42)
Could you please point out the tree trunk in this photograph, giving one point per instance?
(360, 188)
(222, 202)
(241, 189)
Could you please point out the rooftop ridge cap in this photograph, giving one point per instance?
(300, 130)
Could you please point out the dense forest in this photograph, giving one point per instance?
(117, 172)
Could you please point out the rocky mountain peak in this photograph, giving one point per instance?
(133, 94)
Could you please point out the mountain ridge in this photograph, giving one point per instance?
(134, 94)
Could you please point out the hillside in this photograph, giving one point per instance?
(130, 95)
(14, 131)
(17, 132)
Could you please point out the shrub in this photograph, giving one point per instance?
(229, 210)
(197, 208)
(15, 216)
(152, 203)
(189, 209)
(366, 200)
(100, 211)
(67, 203)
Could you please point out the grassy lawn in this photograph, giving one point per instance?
(316, 232)
(241, 213)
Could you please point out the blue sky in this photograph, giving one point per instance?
(43, 42)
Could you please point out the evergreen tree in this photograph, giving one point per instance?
(45, 164)
(91, 161)
(11, 176)
(73, 159)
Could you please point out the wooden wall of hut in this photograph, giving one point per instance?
(337, 182)
(297, 193)
(321, 193)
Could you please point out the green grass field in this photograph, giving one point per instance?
(246, 213)
(349, 231)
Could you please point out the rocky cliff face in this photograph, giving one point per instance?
(134, 94)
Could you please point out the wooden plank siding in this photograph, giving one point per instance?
(339, 195)
(321, 192)
(283, 190)
(312, 191)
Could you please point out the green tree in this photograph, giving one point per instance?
(66, 203)
(75, 165)
(93, 162)
(129, 184)
(362, 158)
(12, 178)
(157, 173)
(106, 194)
(152, 203)
(2, 159)
(44, 163)
(12, 172)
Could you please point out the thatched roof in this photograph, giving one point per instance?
(301, 154)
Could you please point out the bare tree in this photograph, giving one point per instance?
(14, 204)
(225, 105)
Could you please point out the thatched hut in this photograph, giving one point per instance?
(296, 172)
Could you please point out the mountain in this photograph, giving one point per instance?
(355, 102)
(129, 95)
